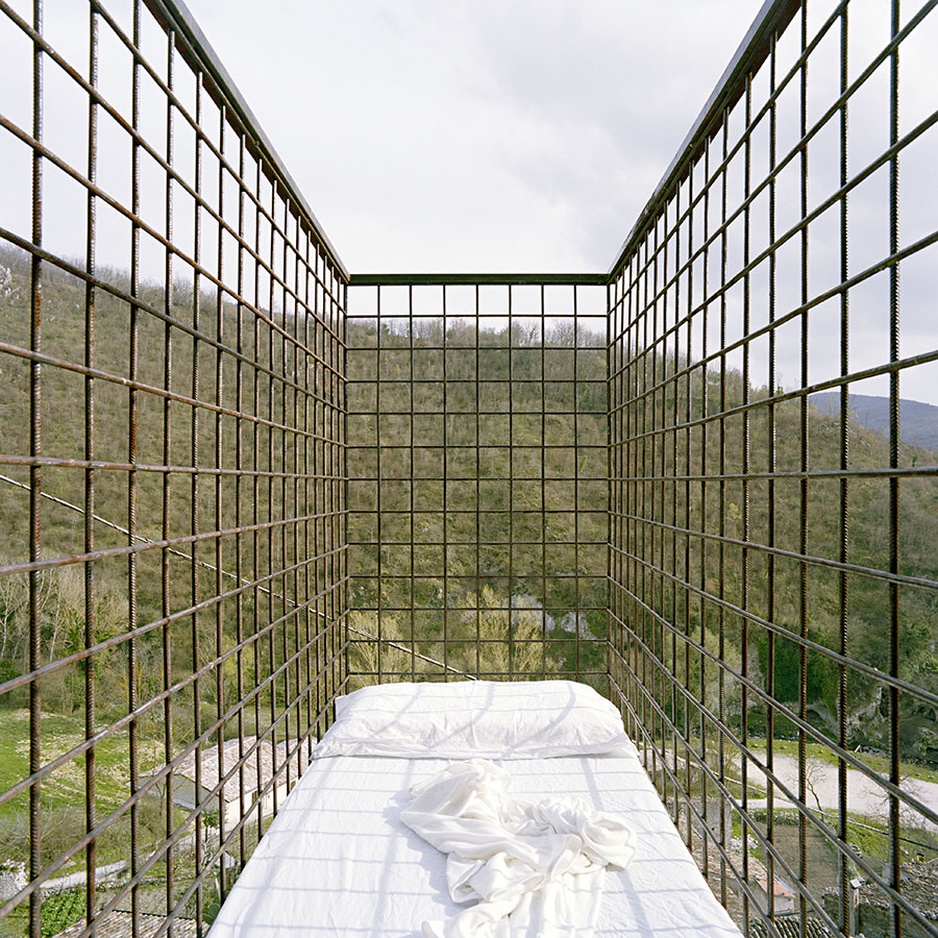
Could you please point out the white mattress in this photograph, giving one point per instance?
(337, 861)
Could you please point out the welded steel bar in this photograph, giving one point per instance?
(474, 280)
(217, 458)
(195, 498)
(239, 508)
(895, 619)
(132, 445)
(35, 479)
(167, 490)
(90, 636)
(745, 570)
(843, 828)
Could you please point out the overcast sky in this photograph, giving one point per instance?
(466, 135)
(527, 135)
(522, 135)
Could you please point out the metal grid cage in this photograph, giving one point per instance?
(173, 522)
(477, 468)
(772, 567)
(652, 480)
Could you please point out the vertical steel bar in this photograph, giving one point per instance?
(746, 468)
(642, 534)
(278, 480)
(721, 504)
(627, 302)
(480, 417)
(771, 465)
(512, 495)
(846, 923)
(90, 636)
(804, 466)
(132, 424)
(688, 439)
(338, 488)
(614, 511)
(274, 688)
(239, 431)
(638, 381)
(195, 488)
(257, 174)
(704, 514)
(895, 618)
(542, 491)
(295, 422)
(625, 465)
(35, 476)
(577, 526)
(412, 455)
(218, 460)
(167, 493)
(672, 370)
(379, 496)
(650, 473)
(447, 506)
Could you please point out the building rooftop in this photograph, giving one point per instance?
(271, 761)
(119, 924)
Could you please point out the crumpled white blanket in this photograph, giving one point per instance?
(535, 869)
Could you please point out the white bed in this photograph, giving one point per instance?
(339, 861)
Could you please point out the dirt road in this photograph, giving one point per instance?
(864, 796)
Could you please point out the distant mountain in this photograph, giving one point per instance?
(918, 422)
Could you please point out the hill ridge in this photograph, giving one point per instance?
(918, 421)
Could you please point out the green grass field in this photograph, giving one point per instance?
(62, 793)
(65, 787)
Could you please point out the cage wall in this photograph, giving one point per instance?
(172, 568)
(477, 467)
(773, 581)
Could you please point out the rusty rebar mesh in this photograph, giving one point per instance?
(227, 499)
(172, 578)
(772, 577)
(478, 493)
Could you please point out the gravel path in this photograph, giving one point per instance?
(864, 796)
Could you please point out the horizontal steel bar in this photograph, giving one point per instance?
(388, 280)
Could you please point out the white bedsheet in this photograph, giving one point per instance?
(338, 860)
(526, 868)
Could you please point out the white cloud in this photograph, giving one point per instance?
(476, 134)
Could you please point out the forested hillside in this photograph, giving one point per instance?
(488, 465)
(485, 450)
(868, 546)
(918, 422)
(170, 430)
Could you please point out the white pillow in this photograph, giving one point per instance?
(489, 719)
